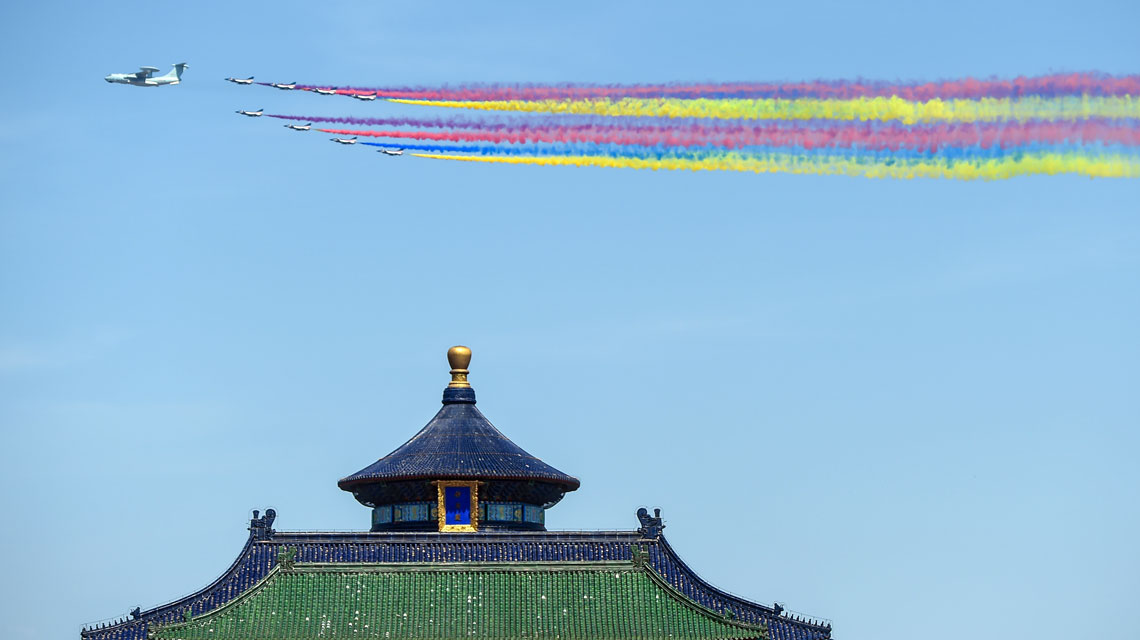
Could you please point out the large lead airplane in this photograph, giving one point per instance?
(144, 76)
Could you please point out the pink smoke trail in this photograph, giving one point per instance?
(865, 136)
(1086, 83)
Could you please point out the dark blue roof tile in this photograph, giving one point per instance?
(459, 443)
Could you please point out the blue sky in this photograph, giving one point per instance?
(909, 407)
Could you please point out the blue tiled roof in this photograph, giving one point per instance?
(459, 443)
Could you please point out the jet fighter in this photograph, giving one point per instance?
(351, 140)
(364, 96)
(248, 80)
(299, 127)
(144, 76)
(283, 85)
(325, 92)
(391, 152)
(252, 114)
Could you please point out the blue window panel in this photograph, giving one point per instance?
(535, 514)
(457, 503)
(382, 515)
(411, 512)
(500, 511)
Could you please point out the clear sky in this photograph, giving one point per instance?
(909, 407)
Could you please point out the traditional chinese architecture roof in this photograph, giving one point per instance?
(281, 578)
(499, 575)
(569, 600)
(459, 443)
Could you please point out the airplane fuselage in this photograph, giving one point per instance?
(145, 77)
(130, 78)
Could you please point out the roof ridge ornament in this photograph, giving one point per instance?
(262, 528)
(650, 526)
(286, 556)
(459, 357)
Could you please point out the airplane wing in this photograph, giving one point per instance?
(146, 72)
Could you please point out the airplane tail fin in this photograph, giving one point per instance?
(177, 70)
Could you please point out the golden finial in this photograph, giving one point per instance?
(459, 357)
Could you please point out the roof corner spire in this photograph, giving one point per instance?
(459, 357)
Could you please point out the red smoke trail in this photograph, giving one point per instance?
(868, 136)
(1095, 84)
(460, 122)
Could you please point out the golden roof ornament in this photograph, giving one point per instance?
(459, 357)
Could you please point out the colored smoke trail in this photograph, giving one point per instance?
(1082, 123)
(484, 123)
(863, 109)
(436, 123)
(1105, 166)
(1047, 86)
(433, 148)
(863, 135)
(970, 154)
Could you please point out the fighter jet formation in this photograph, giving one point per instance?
(297, 125)
(144, 77)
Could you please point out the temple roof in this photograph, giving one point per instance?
(644, 552)
(485, 583)
(459, 443)
(568, 600)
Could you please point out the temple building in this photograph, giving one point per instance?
(458, 548)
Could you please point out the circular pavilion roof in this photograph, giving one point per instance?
(459, 443)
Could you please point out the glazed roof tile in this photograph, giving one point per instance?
(263, 550)
(459, 443)
(571, 601)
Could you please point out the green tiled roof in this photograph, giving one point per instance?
(565, 601)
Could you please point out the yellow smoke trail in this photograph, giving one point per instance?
(882, 109)
(1106, 166)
